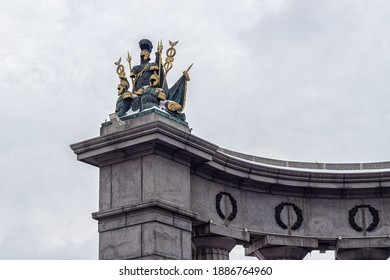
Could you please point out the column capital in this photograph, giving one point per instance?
(213, 247)
(270, 247)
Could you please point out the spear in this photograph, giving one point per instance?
(129, 61)
(189, 67)
(159, 50)
(185, 72)
(187, 77)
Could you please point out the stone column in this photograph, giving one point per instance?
(144, 189)
(143, 211)
(213, 247)
(271, 247)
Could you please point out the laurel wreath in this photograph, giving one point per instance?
(352, 214)
(298, 211)
(218, 199)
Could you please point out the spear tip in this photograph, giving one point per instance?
(190, 67)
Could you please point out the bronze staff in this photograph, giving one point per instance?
(171, 52)
(129, 61)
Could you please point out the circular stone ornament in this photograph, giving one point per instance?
(218, 199)
(375, 217)
(298, 211)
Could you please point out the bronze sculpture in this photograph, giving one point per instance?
(149, 84)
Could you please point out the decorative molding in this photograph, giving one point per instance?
(298, 211)
(352, 214)
(233, 201)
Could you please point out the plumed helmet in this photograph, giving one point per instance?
(146, 45)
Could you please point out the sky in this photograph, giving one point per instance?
(286, 79)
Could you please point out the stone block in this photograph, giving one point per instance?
(105, 188)
(163, 240)
(120, 244)
(126, 183)
(112, 223)
(166, 179)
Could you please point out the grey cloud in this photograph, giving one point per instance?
(296, 80)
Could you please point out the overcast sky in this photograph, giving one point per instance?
(288, 79)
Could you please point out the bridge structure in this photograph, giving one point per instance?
(165, 193)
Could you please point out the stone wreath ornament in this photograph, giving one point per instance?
(298, 211)
(352, 214)
(218, 199)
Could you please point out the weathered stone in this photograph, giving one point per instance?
(213, 247)
(120, 244)
(126, 183)
(159, 184)
(363, 254)
(160, 239)
(105, 188)
(273, 247)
